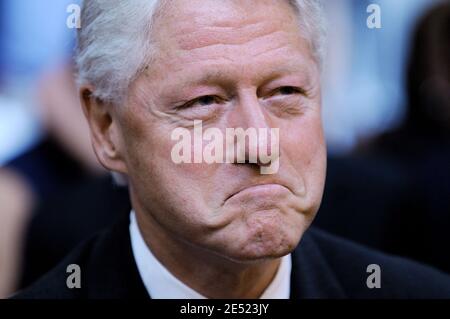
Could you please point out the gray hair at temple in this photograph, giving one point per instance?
(114, 42)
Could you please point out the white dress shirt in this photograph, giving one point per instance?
(161, 284)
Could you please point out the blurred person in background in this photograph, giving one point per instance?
(44, 144)
(15, 205)
(421, 145)
(396, 187)
(61, 160)
(62, 157)
(364, 91)
(56, 173)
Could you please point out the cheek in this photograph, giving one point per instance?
(160, 185)
(185, 186)
(303, 139)
(305, 149)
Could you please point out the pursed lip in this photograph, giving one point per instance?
(256, 185)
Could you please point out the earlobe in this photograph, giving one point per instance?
(103, 127)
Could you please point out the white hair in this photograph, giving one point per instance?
(114, 42)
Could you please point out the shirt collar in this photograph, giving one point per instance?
(161, 284)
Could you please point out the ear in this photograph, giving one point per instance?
(105, 134)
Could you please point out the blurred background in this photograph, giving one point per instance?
(386, 113)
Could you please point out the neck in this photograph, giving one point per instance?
(209, 274)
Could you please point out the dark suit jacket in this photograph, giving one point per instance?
(62, 222)
(323, 266)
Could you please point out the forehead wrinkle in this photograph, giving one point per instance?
(239, 54)
(222, 68)
(291, 59)
(217, 75)
(200, 30)
(215, 59)
(212, 16)
(208, 36)
(186, 27)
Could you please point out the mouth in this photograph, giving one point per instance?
(260, 191)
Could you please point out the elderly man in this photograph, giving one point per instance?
(236, 228)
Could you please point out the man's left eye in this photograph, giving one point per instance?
(288, 90)
(202, 101)
(206, 100)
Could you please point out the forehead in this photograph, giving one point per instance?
(224, 13)
(184, 20)
(236, 34)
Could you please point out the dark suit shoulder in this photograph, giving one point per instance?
(400, 277)
(53, 285)
(107, 268)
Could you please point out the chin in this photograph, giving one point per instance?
(267, 241)
(262, 252)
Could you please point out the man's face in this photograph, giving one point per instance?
(229, 64)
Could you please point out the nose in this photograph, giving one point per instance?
(252, 134)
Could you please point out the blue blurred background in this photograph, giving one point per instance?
(33, 39)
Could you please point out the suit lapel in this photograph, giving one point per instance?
(112, 271)
(312, 277)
